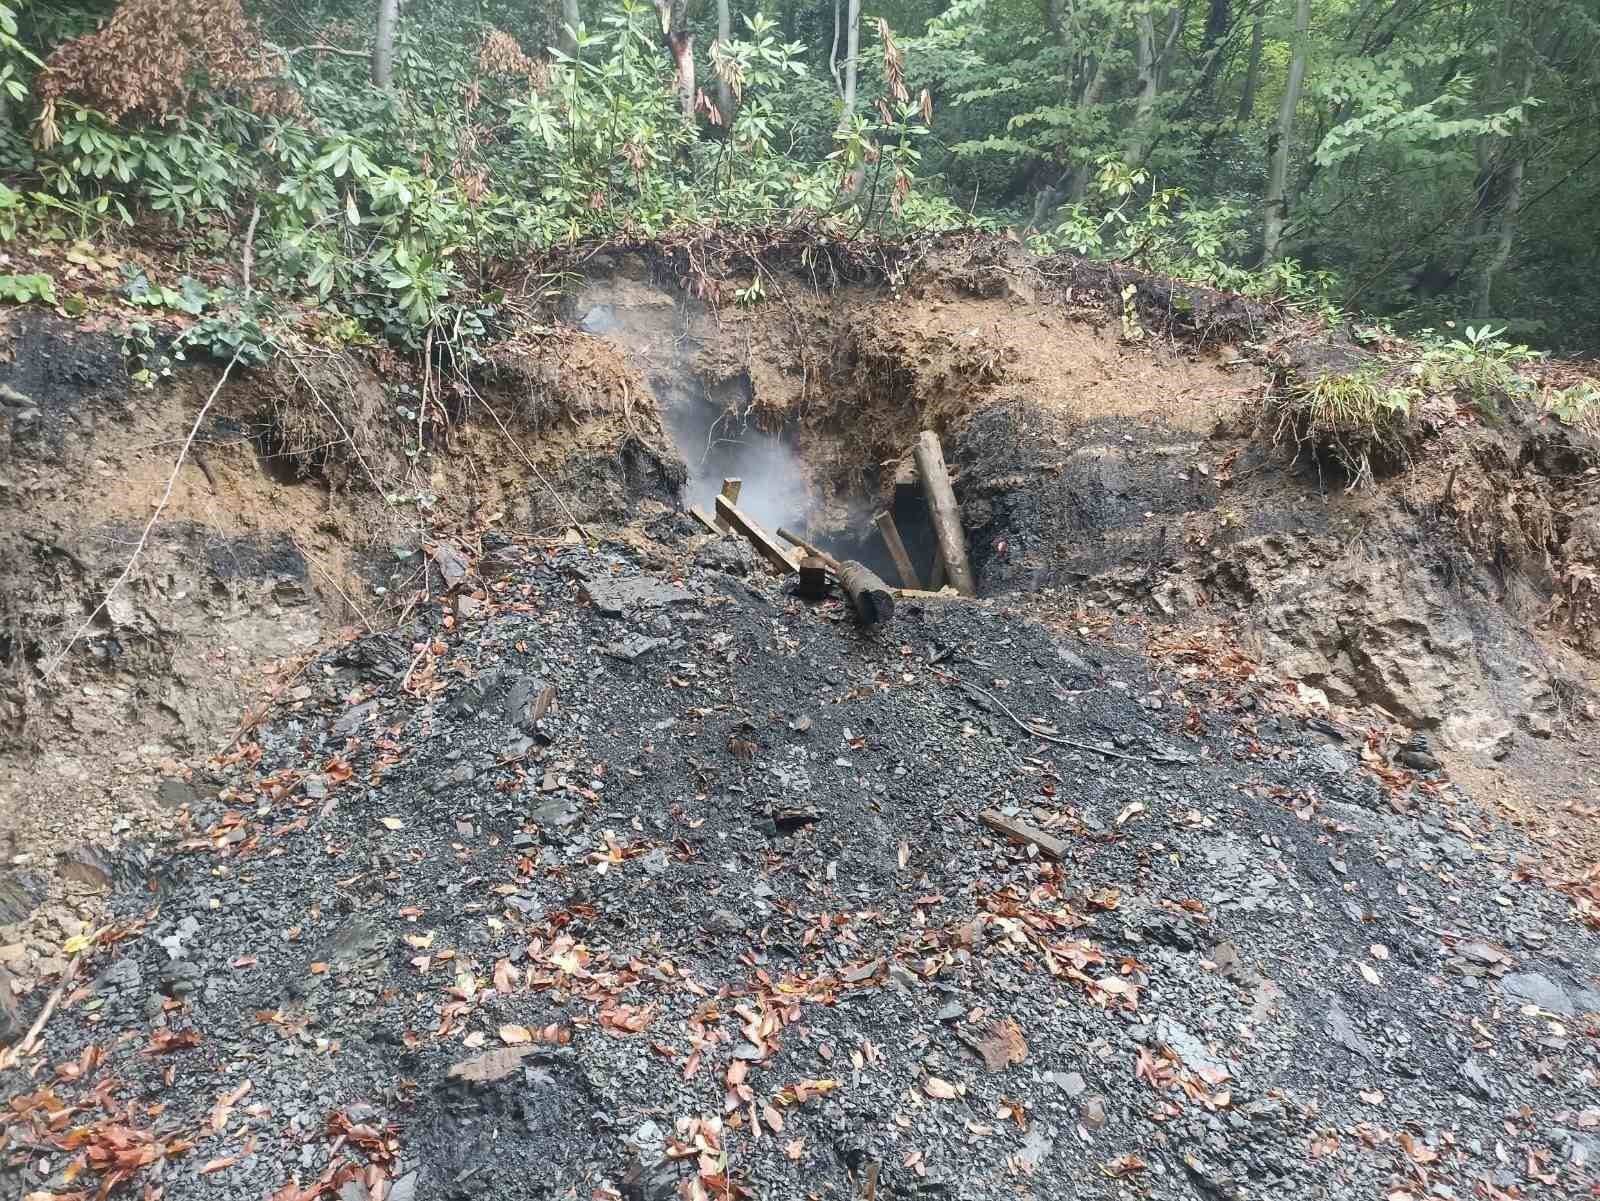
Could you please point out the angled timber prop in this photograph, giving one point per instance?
(870, 597)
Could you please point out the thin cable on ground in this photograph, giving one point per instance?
(1080, 746)
(144, 537)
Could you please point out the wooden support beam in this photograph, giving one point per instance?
(871, 598)
(774, 554)
(705, 519)
(920, 594)
(897, 549)
(1049, 845)
(730, 489)
(936, 577)
(809, 547)
(813, 578)
(945, 512)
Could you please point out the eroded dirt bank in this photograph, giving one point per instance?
(638, 870)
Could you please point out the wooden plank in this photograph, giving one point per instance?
(1049, 846)
(897, 549)
(920, 594)
(945, 512)
(730, 489)
(809, 547)
(706, 520)
(769, 549)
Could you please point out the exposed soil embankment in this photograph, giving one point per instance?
(1105, 445)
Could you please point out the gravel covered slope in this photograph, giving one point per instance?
(723, 922)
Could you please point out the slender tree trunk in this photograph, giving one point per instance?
(680, 46)
(567, 38)
(1074, 181)
(1151, 59)
(383, 44)
(1252, 73)
(724, 88)
(1219, 23)
(852, 50)
(1078, 177)
(1510, 206)
(833, 52)
(1276, 209)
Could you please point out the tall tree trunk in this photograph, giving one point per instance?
(1151, 59)
(1074, 181)
(680, 46)
(724, 88)
(1252, 73)
(383, 44)
(1275, 213)
(1510, 188)
(1219, 23)
(567, 38)
(851, 51)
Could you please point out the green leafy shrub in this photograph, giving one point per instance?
(1481, 367)
(21, 289)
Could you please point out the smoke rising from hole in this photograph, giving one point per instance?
(711, 422)
(719, 441)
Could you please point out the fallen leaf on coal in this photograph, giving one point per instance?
(167, 1039)
(318, 969)
(79, 943)
(905, 853)
(1129, 812)
(1418, 1152)
(421, 941)
(217, 1165)
(772, 1118)
(224, 1106)
(802, 1091)
(1379, 951)
(244, 961)
(1002, 1045)
(940, 1090)
(1372, 1096)
(630, 1019)
(474, 1040)
(1401, 1194)
(515, 1035)
(794, 1149)
(393, 823)
(1123, 1165)
(505, 976)
(1370, 976)
(337, 770)
(490, 1066)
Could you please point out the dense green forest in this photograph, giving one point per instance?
(1417, 160)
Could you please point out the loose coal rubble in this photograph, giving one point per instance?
(643, 888)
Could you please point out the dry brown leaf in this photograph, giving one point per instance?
(1002, 1045)
(1123, 1165)
(515, 1036)
(940, 1090)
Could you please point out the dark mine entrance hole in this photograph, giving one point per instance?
(720, 436)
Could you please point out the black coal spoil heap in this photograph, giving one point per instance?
(628, 887)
